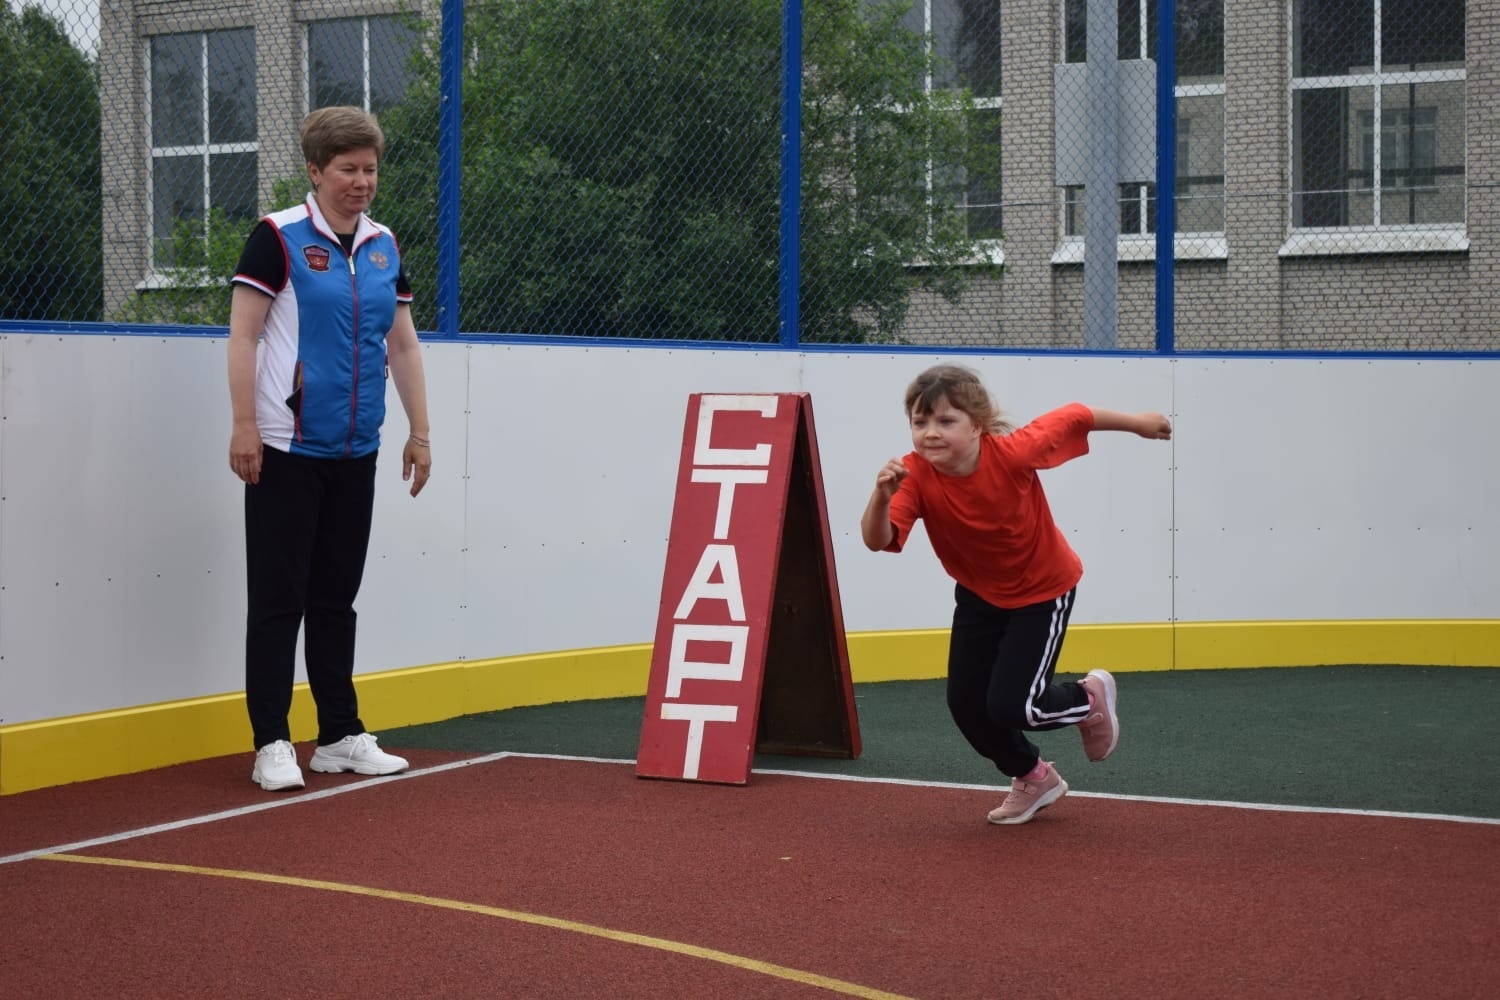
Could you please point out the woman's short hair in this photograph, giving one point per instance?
(327, 132)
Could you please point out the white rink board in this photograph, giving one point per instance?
(1338, 489)
(1295, 488)
(573, 464)
(412, 601)
(121, 538)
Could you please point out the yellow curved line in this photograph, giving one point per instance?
(625, 937)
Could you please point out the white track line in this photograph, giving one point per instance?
(278, 803)
(1162, 800)
(1158, 799)
(296, 799)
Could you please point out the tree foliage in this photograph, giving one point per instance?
(621, 170)
(205, 254)
(197, 291)
(51, 258)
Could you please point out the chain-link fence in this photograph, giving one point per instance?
(616, 168)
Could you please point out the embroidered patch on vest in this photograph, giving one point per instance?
(317, 257)
(380, 260)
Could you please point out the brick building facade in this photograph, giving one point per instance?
(1417, 140)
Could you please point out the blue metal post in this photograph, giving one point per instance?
(450, 152)
(1166, 174)
(791, 171)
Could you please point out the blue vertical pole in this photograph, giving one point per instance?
(1166, 174)
(450, 150)
(790, 283)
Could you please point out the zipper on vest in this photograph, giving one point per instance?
(354, 395)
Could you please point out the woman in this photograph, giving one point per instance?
(321, 291)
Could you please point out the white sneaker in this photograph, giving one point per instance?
(276, 767)
(358, 754)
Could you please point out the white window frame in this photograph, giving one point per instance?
(992, 251)
(364, 56)
(1378, 237)
(163, 276)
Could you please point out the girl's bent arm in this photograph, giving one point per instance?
(875, 526)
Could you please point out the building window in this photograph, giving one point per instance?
(965, 40)
(363, 61)
(1378, 136)
(1200, 113)
(203, 140)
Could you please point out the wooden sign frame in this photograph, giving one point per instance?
(750, 652)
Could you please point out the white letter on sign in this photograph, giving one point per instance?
(727, 478)
(706, 454)
(680, 668)
(696, 716)
(700, 588)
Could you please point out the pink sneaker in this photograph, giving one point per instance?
(1101, 730)
(1027, 798)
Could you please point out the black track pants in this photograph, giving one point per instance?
(1000, 667)
(307, 529)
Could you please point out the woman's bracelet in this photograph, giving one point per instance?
(420, 442)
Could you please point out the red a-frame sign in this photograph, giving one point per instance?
(750, 651)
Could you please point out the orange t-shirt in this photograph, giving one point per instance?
(992, 529)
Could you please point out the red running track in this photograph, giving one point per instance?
(541, 878)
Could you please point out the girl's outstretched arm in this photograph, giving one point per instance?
(1147, 425)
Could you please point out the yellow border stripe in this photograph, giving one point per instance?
(1418, 642)
(922, 654)
(555, 923)
(123, 741)
(127, 740)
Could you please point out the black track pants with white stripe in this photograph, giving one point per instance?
(1000, 686)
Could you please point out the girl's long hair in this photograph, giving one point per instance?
(963, 390)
